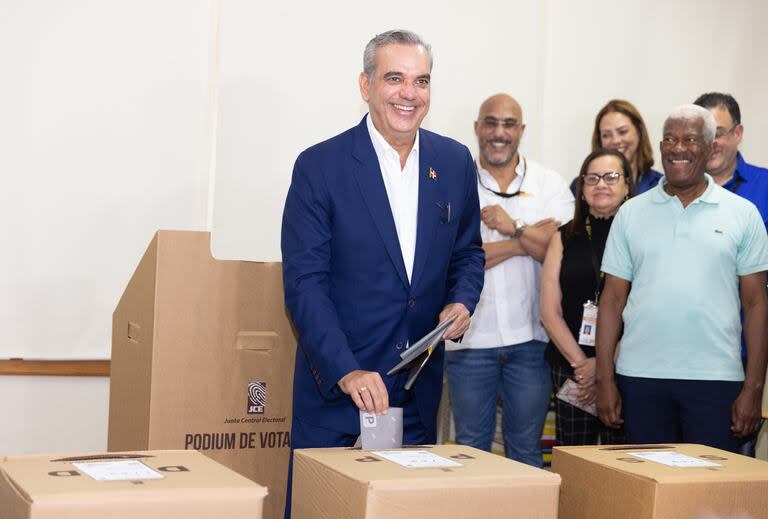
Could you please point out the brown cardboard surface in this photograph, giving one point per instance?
(765, 397)
(194, 486)
(733, 467)
(356, 484)
(602, 482)
(189, 335)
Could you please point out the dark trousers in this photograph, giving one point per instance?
(679, 411)
(307, 436)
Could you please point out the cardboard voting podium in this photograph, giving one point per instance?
(202, 359)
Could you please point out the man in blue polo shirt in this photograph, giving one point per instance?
(726, 165)
(681, 260)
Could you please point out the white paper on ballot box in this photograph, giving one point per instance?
(417, 459)
(673, 459)
(124, 470)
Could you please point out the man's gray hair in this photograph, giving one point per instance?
(693, 113)
(401, 37)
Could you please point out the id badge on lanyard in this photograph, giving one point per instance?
(588, 328)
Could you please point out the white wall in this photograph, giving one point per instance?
(53, 414)
(104, 140)
(108, 132)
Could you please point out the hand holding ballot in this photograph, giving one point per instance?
(367, 389)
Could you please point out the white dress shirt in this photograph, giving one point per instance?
(508, 310)
(402, 185)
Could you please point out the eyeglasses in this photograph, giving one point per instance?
(722, 132)
(687, 142)
(610, 178)
(490, 123)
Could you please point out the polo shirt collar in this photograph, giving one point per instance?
(711, 195)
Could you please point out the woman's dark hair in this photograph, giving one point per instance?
(644, 155)
(581, 209)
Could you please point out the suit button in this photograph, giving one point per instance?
(399, 345)
(411, 303)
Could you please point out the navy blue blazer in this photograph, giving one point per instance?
(346, 286)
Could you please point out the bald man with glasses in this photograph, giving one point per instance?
(502, 353)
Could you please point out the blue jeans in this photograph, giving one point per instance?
(518, 375)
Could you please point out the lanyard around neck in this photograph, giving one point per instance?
(599, 275)
(499, 193)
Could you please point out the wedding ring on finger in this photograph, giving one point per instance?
(361, 389)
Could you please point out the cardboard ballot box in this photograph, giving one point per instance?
(145, 485)
(678, 481)
(429, 482)
(202, 358)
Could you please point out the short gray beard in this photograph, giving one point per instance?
(503, 161)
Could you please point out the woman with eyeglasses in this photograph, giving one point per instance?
(570, 289)
(619, 126)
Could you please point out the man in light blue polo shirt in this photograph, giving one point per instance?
(681, 260)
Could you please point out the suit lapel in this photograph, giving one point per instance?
(371, 183)
(429, 210)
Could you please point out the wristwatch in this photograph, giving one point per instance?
(519, 227)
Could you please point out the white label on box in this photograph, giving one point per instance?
(417, 459)
(673, 459)
(124, 470)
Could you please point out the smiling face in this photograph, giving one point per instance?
(723, 159)
(398, 93)
(618, 133)
(684, 153)
(604, 199)
(499, 128)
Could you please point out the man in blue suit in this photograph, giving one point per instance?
(380, 242)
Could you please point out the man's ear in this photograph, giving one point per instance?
(738, 133)
(364, 85)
